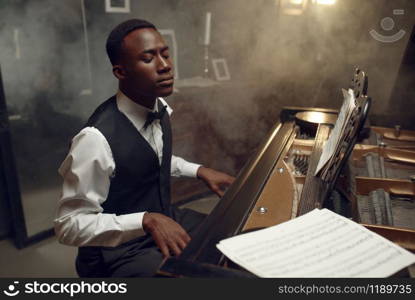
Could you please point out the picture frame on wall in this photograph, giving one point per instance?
(117, 6)
(220, 67)
(170, 38)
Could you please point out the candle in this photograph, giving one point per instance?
(207, 28)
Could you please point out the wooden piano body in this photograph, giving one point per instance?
(278, 184)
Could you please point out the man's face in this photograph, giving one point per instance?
(146, 63)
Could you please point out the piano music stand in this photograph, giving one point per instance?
(318, 189)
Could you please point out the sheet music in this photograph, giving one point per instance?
(320, 243)
(333, 142)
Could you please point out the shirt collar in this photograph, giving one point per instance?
(135, 111)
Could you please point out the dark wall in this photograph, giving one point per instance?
(5, 219)
(402, 100)
(5, 212)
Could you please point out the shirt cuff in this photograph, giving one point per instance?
(132, 223)
(190, 169)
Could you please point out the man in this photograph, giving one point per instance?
(115, 204)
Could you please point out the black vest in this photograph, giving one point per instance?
(139, 183)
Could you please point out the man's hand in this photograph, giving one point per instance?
(215, 180)
(168, 235)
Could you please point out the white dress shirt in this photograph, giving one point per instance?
(86, 173)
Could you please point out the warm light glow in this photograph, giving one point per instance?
(325, 2)
(297, 2)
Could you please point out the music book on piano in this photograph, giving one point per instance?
(320, 243)
(337, 135)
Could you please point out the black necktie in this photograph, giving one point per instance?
(151, 116)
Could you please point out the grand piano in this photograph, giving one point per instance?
(369, 179)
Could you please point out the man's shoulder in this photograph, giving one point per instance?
(102, 111)
(89, 132)
(105, 105)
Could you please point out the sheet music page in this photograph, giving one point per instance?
(320, 243)
(343, 118)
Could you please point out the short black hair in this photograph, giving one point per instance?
(115, 38)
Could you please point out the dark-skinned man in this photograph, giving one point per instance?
(115, 203)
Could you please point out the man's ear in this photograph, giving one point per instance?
(118, 72)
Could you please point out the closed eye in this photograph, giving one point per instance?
(165, 54)
(147, 59)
